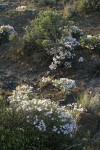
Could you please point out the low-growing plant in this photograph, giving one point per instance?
(45, 81)
(42, 3)
(64, 84)
(40, 123)
(66, 53)
(2, 99)
(91, 44)
(87, 6)
(28, 123)
(21, 8)
(45, 27)
(76, 32)
(69, 8)
(90, 102)
(55, 36)
(7, 33)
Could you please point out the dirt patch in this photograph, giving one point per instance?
(90, 24)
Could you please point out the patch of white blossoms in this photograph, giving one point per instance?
(44, 115)
(46, 79)
(21, 8)
(64, 53)
(9, 29)
(64, 84)
(21, 93)
(76, 31)
(91, 42)
(89, 36)
(65, 50)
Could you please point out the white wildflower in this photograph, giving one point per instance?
(64, 84)
(89, 36)
(43, 114)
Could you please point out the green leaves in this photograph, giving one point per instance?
(45, 30)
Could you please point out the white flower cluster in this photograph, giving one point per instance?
(68, 124)
(9, 29)
(89, 36)
(92, 42)
(21, 93)
(64, 52)
(46, 79)
(21, 8)
(81, 59)
(93, 36)
(76, 30)
(64, 84)
(71, 42)
(48, 111)
(44, 115)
